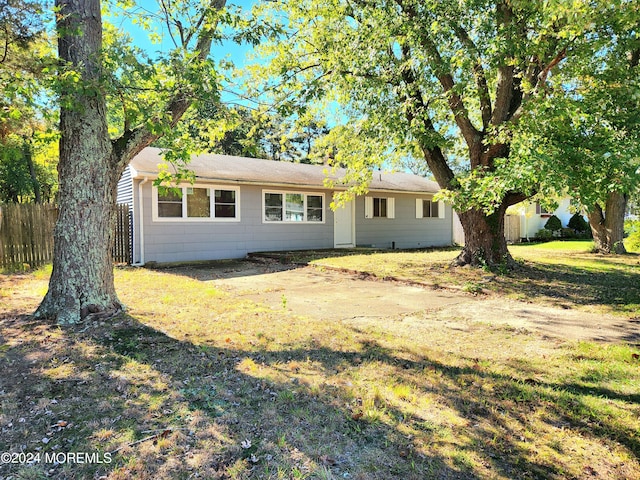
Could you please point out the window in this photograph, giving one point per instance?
(169, 202)
(540, 210)
(293, 207)
(273, 207)
(428, 208)
(314, 208)
(379, 207)
(196, 203)
(225, 203)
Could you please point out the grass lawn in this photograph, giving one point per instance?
(560, 273)
(194, 382)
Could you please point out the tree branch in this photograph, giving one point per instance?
(504, 82)
(542, 76)
(131, 142)
(537, 77)
(433, 154)
(478, 72)
(471, 135)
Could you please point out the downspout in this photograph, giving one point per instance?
(141, 231)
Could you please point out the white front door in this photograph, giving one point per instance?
(344, 227)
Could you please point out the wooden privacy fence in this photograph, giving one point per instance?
(122, 238)
(26, 235)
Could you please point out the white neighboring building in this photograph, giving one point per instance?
(533, 217)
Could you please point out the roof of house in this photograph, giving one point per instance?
(230, 169)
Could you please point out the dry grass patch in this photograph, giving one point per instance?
(194, 382)
(556, 273)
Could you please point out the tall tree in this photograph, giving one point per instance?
(91, 162)
(24, 54)
(251, 132)
(445, 78)
(587, 132)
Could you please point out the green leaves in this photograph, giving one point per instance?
(450, 77)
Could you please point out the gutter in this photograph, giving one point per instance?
(141, 234)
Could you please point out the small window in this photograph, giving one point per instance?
(273, 207)
(428, 208)
(169, 202)
(380, 207)
(540, 210)
(375, 207)
(314, 208)
(225, 203)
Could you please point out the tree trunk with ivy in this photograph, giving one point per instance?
(607, 225)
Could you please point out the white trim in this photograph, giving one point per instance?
(184, 218)
(140, 201)
(304, 194)
(391, 207)
(441, 213)
(419, 208)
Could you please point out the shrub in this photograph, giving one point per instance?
(543, 234)
(633, 241)
(567, 232)
(578, 223)
(553, 224)
(631, 227)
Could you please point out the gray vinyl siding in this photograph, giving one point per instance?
(405, 229)
(167, 241)
(181, 241)
(125, 188)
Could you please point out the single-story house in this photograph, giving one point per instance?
(241, 205)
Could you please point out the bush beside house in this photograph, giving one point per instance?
(577, 227)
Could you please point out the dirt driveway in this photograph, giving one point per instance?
(338, 296)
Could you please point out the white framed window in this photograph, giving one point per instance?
(292, 207)
(196, 203)
(379, 207)
(428, 208)
(543, 212)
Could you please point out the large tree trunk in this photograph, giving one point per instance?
(91, 163)
(485, 243)
(608, 225)
(82, 279)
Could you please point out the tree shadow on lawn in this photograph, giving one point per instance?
(107, 388)
(170, 408)
(217, 269)
(618, 288)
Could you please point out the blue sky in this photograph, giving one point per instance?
(229, 49)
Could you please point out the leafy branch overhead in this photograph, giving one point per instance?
(446, 82)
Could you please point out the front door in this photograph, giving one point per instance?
(344, 227)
